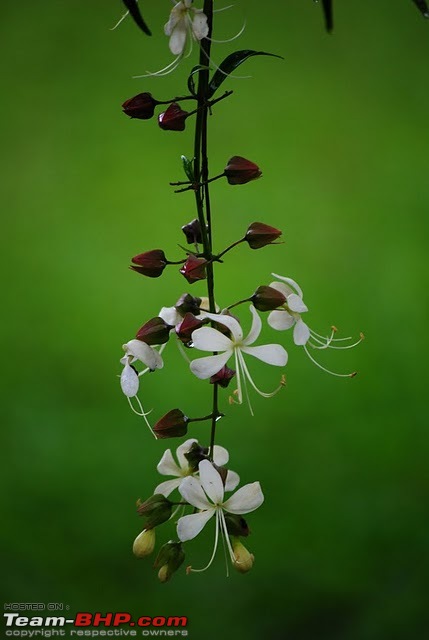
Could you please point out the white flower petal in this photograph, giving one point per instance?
(273, 354)
(190, 526)
(282, 287)
(143, 352)
(200, 28)
(129, 381)
(205, 368)
(181, 450)
(220, 455)
(245, 500)
(167, 465)
(232, 481)
(291, 282)
(168, 486)
(191, 490)
(170, 316)
(301, 333)
(295, 303)
(175, 16)
(230, 322)
(208, 339)
(280, 320)
(256, 327)
(211, 481)
(178, 38)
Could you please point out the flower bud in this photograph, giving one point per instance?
(244, 560)
(258, 235)
(155, 331)
(195, 455)
(142, 106)
(223, 377)
(155, 510)
(194, 269)
(169, 559)
(151, 263)
(144, 544)
(188, 304)
(173, 119)
(173, 425)
(192, 231)
(240, 171)
(184, 330)
(267, 299)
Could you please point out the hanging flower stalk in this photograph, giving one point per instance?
(194, 495)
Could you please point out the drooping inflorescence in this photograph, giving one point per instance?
(205, 327)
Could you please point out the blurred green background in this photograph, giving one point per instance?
(340, 130)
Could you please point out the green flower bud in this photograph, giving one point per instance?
(243, 558)
(144, 544)
(156, 510)
(169, 559)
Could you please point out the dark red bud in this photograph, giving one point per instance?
(223, 377)
(173, 425)
(267, 299)
(142, 106)
(189, 324)
(240, 171)
(173, 119)
(194, 269)
(188, 304)
(258, 235)
(155, 331)
(192, 231)
(150, 263)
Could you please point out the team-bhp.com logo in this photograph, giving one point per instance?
(18, 625)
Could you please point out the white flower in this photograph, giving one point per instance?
(207, 495)
(209, 339)
(290, 316)
(185, 21)
(167, 466)
(137, 350)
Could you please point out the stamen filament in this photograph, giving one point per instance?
(214, 548)
(142, 414)
(333, 373)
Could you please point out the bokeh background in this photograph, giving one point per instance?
(340, 129)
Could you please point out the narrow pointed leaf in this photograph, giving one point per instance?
(422, 5)
(134, 10)
(231, 63)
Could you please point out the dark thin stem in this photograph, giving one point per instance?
(202, 195)
(231, 246)
(209, 417)
(231, 306)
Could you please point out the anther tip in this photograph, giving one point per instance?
(354, 374)
(334, 328)
(188, 570)
(362, 336)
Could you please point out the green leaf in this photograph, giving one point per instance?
(134, 10)
(188, 167)
(423, 6)
(230, 63)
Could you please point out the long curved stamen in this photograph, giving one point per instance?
(335, 339)
(330, 340)
(333, 373)
(162, 72)
(227, 540)
(142, 414)
(119, 21)
(245, 373)
(223, 8)
(229, 39)
(214, 548)
(239, 387)
(225, 554)
(249, 377)
(182, 351)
